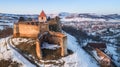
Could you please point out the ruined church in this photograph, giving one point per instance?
(43, 30)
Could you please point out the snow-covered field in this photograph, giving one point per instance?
(79, 58)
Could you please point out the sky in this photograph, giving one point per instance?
(56, 6)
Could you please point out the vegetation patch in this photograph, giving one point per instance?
(6, 32)
(9, 63)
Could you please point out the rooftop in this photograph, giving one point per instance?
(42, 14)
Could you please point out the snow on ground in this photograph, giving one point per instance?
(7, 52)
(112, 51)
(1, 27)
(17, 41)
(50, 46)
(79, 58)
(9, 24)
(78, 19)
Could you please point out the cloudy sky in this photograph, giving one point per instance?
(56, 6)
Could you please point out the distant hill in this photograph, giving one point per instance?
(90, 15)
(64, 15)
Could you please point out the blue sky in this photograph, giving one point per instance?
(56, 6)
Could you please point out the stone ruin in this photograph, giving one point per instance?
(41, 32)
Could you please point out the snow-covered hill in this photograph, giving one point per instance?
(8, 53)
(79, 58)
(90, 23)
(77, 17)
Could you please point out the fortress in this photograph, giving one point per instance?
(42, 30)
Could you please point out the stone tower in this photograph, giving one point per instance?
(42, 17)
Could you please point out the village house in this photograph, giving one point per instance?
(101, 46)
(97, 51)
(42, 30)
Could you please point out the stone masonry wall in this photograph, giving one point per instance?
(28, 30)
(25, 30)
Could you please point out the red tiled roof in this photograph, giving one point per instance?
(42, 14)
(97, 45)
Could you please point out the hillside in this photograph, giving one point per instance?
(79, 58)
(80, 30)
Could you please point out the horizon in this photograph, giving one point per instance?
(56, 13)
(55, 6)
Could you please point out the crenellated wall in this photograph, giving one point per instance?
(53, 38)
(36, 29)
(61, 39)
(29, 30)
(25, 30)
